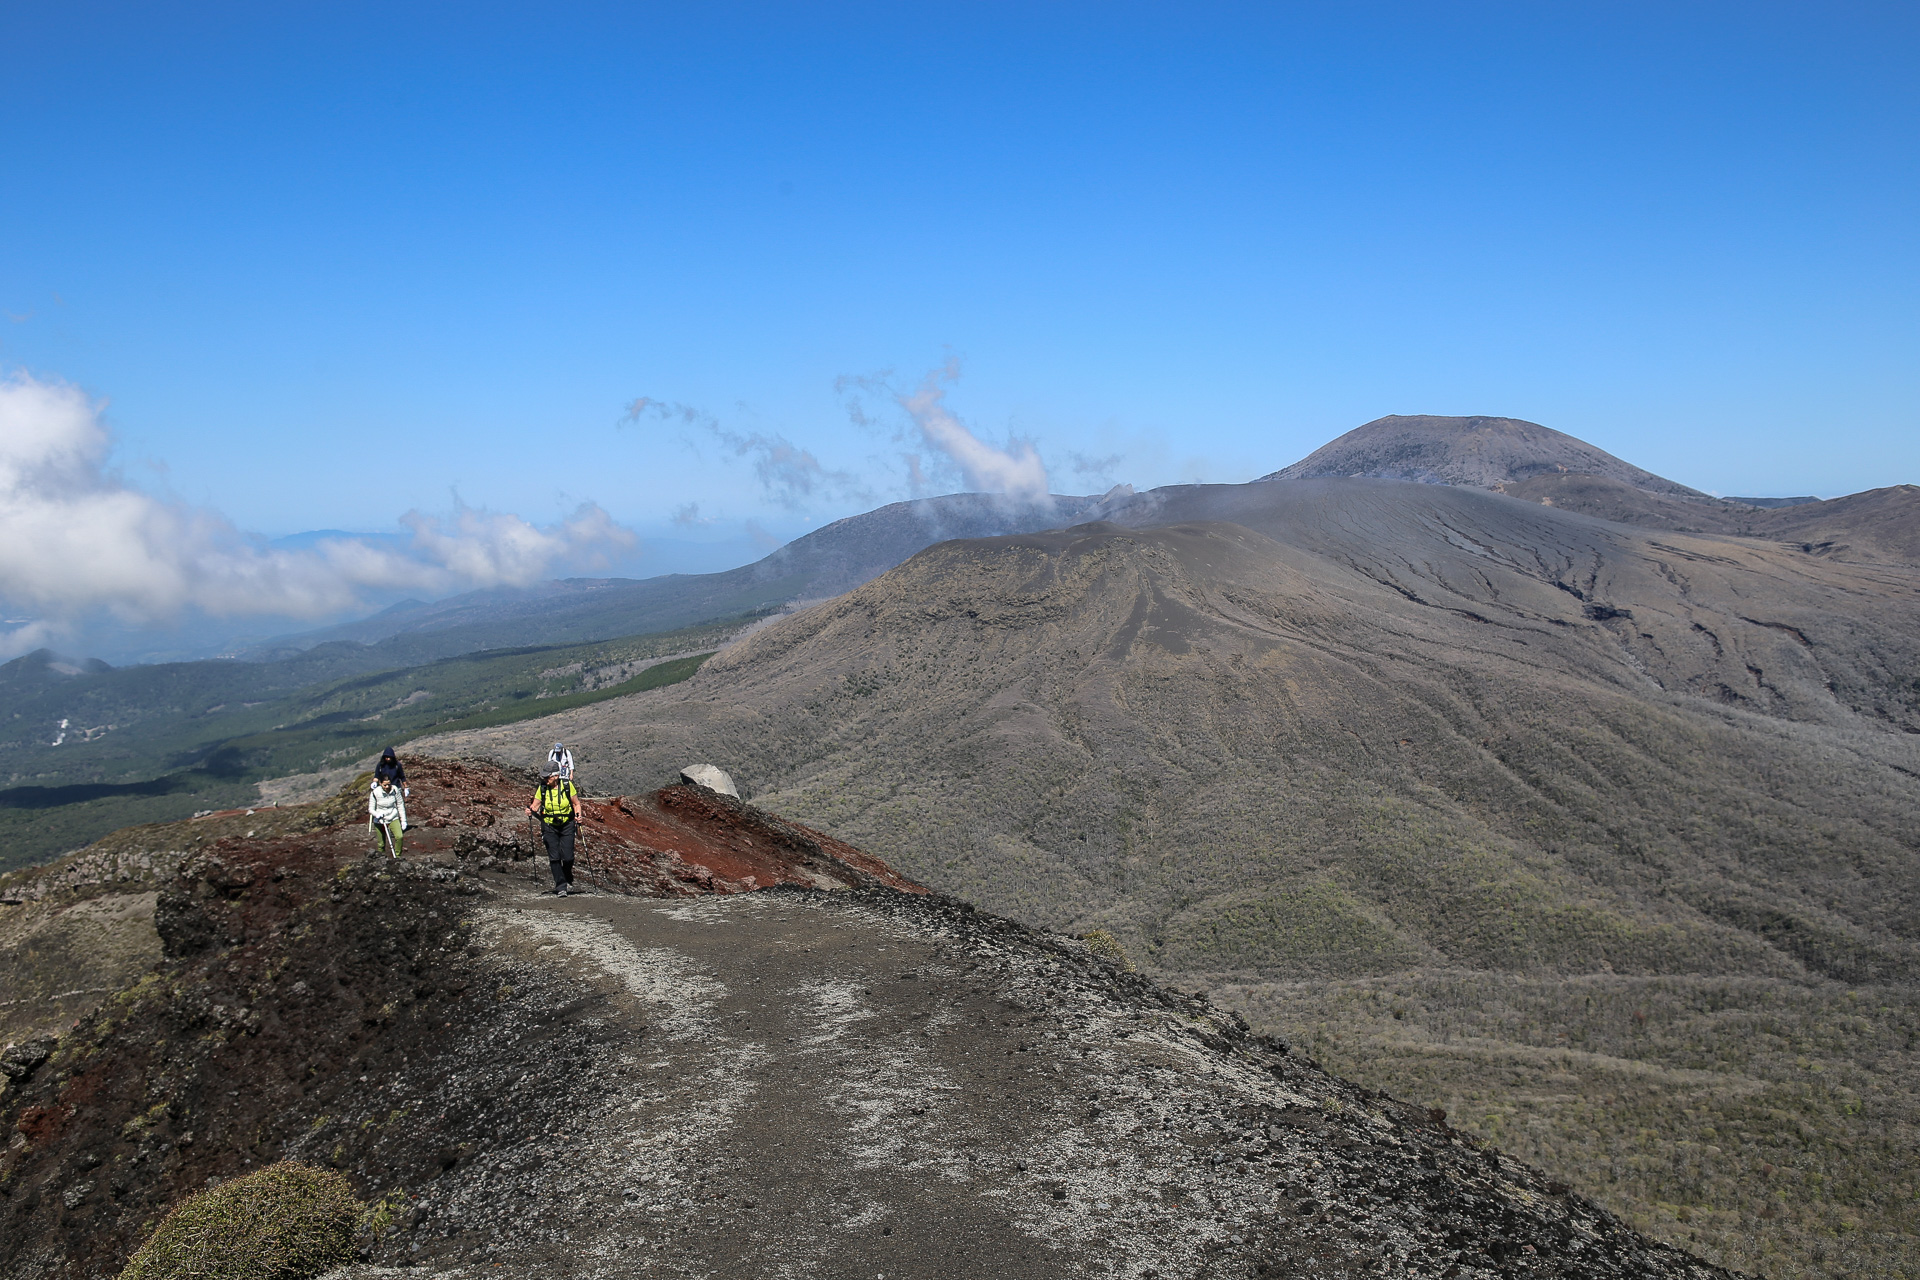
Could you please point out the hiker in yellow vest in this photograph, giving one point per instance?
(557, 805)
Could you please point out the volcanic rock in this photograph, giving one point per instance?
(712, 777)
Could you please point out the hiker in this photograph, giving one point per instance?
(560, 761)
(390, 767)
(557, 805)
(387, 813)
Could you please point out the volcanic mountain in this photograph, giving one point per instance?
(1485, 453)
(1506, 455)
(1384, 760)
(1539, 464)
(1597, 833)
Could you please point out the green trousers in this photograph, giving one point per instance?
(392, 834)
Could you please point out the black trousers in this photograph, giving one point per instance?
(559, 838)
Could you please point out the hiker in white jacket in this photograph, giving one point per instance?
(387, 814)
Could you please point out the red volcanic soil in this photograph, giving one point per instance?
(679, 841)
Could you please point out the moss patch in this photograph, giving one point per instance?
(286, 1222)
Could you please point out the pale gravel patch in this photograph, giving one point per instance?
(880, 1092)
(713, 910)
(1117, 1172)
(645, 1141)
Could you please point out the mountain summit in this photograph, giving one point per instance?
(1479, 452)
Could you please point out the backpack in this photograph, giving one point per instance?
(569, 807)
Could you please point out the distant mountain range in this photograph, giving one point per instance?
(824, 563)
(286, 682)
(1504, 455)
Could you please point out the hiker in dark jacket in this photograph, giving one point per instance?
(391, 770)
(557, 805)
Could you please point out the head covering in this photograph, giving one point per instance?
(387, 754)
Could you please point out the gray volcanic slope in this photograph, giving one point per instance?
(1876, 525)
(1485, 453)
(1581, 831)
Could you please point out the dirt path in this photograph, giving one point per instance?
(815, 1099)
(852, 1086)
(817, 1093)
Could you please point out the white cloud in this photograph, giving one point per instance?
(789, 474)
(1015, 470)
(77, 540)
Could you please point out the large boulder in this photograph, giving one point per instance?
(712, 777)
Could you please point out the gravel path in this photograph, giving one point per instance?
(793, 1084)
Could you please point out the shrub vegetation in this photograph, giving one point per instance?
(287, 1221)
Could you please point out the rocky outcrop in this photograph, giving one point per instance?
(712, 777)
(791, 1082)
(692, 839)
(678, 841)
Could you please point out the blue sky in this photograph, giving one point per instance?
(329, 263)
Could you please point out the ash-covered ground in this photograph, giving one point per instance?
(794, 1084)
(788, 1083)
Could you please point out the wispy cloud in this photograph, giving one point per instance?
(687, 516)
(790, 475)
(1014, 469)
(76, 539)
